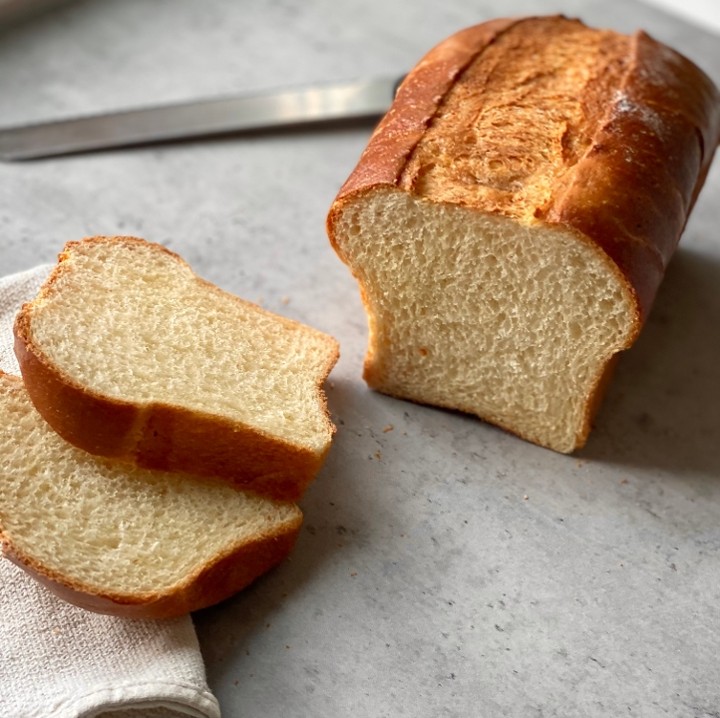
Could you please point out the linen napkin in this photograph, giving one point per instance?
(59, 661)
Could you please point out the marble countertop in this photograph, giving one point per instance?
(445, 568)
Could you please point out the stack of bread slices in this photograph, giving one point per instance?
(152, 453)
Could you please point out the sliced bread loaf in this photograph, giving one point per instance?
(119, 539)
(513, 214)
(128, 354)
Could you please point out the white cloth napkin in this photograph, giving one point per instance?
(59, 661)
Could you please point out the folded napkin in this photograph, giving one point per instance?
(59, 661)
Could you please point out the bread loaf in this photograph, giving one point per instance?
(117, 539)
(129, 355)
(513, 215)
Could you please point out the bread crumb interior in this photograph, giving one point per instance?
(135, 324)
(474, 311)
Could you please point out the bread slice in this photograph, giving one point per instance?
(128, 354)
(513, 214)
(122, 540)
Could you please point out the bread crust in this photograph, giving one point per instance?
(214, 582)
(666, 113)
(416, 102)
(160, 435)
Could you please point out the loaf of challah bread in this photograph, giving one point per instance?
(513, 214)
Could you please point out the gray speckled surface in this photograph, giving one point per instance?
(445, 568)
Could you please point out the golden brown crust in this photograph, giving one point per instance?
(416, 102)
(216, 581)
(634, 188)
(163, 436)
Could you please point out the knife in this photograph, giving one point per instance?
(356, 99)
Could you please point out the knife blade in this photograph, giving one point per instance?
(355, 99)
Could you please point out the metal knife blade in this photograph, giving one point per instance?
(355, 99)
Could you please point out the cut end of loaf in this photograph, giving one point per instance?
(123, 540)
(472, 311)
